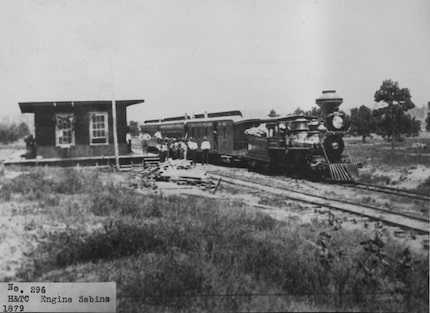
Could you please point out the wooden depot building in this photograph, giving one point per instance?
(80, 130)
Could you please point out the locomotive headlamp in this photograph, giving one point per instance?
(335, 145)
(337, 122)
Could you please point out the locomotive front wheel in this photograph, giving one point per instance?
(252, 165)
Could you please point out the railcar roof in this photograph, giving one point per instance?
(215, 119)
(155, 123)
(288, 118)
(248, 120)
(209, 117)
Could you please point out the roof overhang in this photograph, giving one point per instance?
(31, 107)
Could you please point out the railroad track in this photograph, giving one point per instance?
(398, 219)
(389, 190)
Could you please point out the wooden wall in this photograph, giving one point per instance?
(44, 119)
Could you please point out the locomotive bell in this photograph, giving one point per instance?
(329, 102)
(300, 124)
(313, 125)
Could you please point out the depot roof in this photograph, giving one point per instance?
(31, 107)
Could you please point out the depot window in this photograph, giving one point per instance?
(99, 128)
(64, 130)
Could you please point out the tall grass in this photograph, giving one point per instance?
(37, 184)
(178, 254)
(424, 188)
(379, 154)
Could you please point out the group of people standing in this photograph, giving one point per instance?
(179, 149)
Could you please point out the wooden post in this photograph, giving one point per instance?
(217, 185)
(392, 126)
(115, 134)
(115, 130)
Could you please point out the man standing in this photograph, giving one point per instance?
(30, 147)
(128, 139)
(184, 149)
(192, 147)
(164, 150)
(144, 138)
(206, 145)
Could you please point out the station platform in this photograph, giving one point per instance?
(97, 161)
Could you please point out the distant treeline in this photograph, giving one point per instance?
(365, 121)
(10, 132)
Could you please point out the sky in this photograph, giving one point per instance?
(191, 56)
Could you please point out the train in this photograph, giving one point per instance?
(297, 145)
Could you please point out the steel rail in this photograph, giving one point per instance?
(389, 190)
(398, 219)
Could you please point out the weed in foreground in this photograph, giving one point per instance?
(41, 184)
(424, 188)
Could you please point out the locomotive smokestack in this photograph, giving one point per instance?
(329, 102)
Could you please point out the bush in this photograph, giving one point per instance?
(113, 200)
(12, 132)
(119, 238)
(32, 185)
(171, 279)
(40, 183)
(71, 182)
(424, 188)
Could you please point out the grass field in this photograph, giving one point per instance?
(179, 254)
(387, 166)
(378, 152)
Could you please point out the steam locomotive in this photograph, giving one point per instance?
(299, 145)
(304, 145)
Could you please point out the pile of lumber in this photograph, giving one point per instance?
(181, 172)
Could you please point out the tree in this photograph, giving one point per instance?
(23, 129)
(397, 101)
(362, 122)
(273, 113)
(315, 111)
(410, 126)
(298, 111)
(133, 128)
(382, 124)
(428, 117)
(10, 132)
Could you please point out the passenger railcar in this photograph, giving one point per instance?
(224, 130)
(166, 128)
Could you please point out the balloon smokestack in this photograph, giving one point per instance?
(329, 102)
